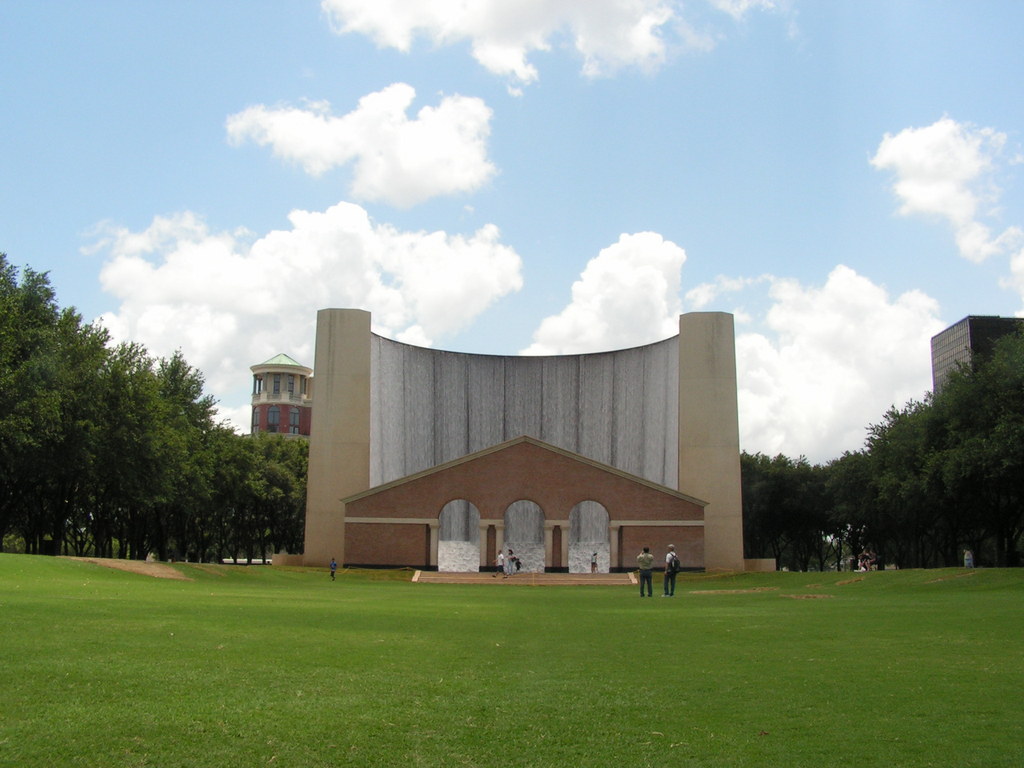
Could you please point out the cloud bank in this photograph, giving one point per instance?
(828, 361)
(606, 34)
(823, 363)
(225, 301)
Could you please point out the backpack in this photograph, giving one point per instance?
(673, 564)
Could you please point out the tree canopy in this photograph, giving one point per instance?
(106, 451)
(935, 478)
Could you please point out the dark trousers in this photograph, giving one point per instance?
(646, 578)
(670, 583)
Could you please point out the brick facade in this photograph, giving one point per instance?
(642, 513)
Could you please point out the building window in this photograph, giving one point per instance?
(291, 384)
(277, 383)
(273, 418)
(293, 421)
(255, 421)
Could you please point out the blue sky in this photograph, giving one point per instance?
(549, 177)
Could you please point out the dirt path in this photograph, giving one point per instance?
(156, 570)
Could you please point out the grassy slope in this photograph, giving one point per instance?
(265, 666)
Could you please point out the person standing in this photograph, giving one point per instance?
(593, 563)
(671, 569)
(645, 562)
(510, 563)
(500, 562)
(334, 567)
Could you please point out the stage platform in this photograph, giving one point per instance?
(528, 579)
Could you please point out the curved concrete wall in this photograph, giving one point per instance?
(430, 406)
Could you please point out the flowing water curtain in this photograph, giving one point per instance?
(588, 533)
(458, 544)
(524, 534)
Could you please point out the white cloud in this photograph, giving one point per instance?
(738, 9)
(395, 159)
(228, 304)
(700, 296)
(829, 361)
(606, 34)
(1015, 280)
(627, 295)
(946, 170)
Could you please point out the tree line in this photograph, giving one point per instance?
(108, 452)
(935, 478)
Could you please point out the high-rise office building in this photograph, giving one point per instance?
(963, 342)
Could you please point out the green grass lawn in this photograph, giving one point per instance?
(282, 667)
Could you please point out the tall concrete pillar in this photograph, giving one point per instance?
(339, 443)
(709, 442)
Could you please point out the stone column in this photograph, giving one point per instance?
(486, 544)
(709, 443)
(434, 530)
(548, 541)
(499, 537)
(339, 443)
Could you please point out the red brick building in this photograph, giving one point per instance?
(282, 397)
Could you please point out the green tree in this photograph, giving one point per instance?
(129, 462)
(851, 493)
(904, 523)
(981, 455)
(785, 511)
(28, 316)
(106, 451)
(48, 364)
(282, 496)
(65, 461)
(187, 420)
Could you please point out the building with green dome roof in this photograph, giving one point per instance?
(282, 397)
